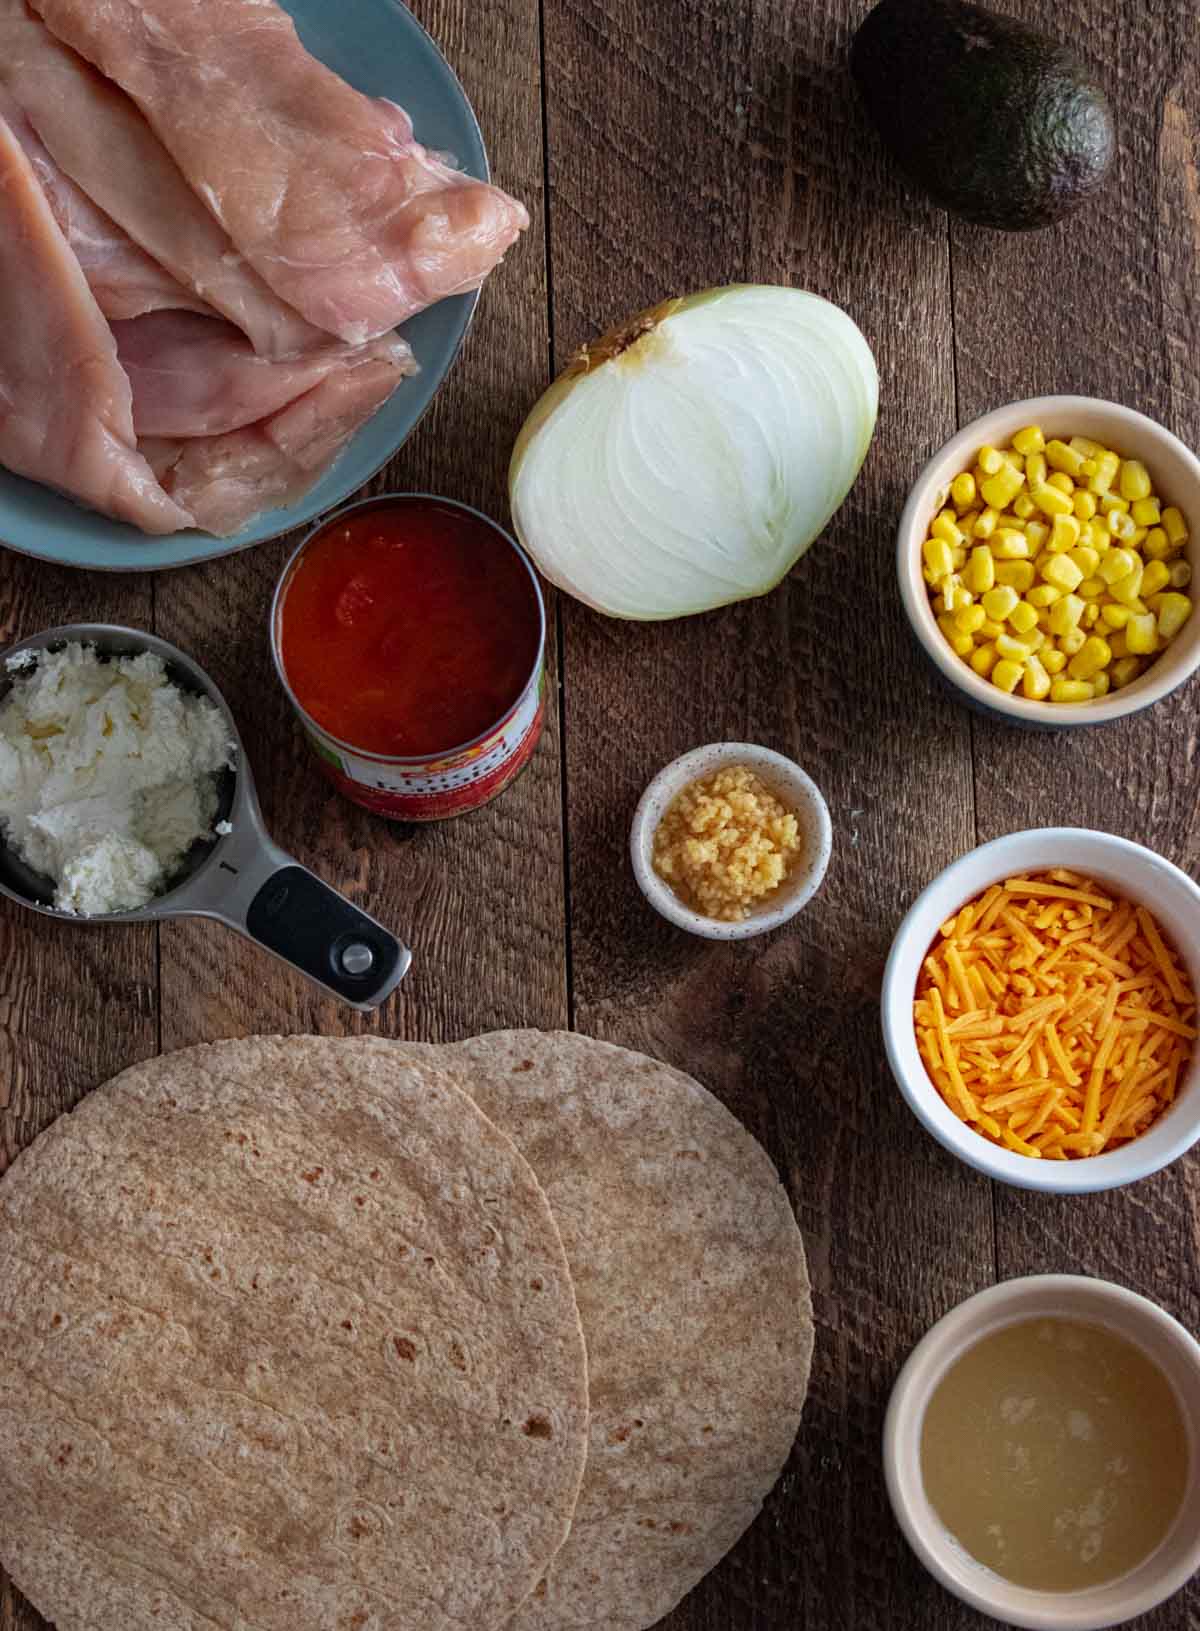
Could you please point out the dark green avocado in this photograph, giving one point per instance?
(998, 123)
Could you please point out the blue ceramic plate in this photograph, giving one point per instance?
(379, 46)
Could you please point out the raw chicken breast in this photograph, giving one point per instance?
(97, 136)
(323, 189)
(124, 279)
(65, 406)
(193, 376)
(225, 481)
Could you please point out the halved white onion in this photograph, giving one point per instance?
(690, 457)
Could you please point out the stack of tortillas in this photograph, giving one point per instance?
(306, 1333)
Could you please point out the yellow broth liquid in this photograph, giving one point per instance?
(1056, 1454)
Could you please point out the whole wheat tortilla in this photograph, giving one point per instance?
(692, 1286)
(287, 1340)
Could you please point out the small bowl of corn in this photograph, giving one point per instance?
(1046, 558)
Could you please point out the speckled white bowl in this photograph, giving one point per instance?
(789, 784)
(1175, 471)
(1070, 1296)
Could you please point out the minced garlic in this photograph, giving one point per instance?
(725, 843)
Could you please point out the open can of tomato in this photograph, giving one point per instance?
(409, 633)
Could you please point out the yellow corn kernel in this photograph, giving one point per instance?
(938, 560)
(990, 460)
(998, 602)
(979, 574)
(1061, 457)
(1110, 502)
(1035, 682)
(1139, 537)
(1035, 468)
(1052, 660)
(958, 554)
(1141, 635)
(1061, 571)
(1010, 545)
(1072, 641)
(946, 526)
(1091, 588)
(1173, 614)
(986, 525)
(1084, 504)
(1007, 674)
(1174, 525)
(1023, 507)
(1091, 613)
(1043, 595)
(1050, 501)
(1095, 535)
(1146, 511)
(1122, 672)
(1029, 440)
(1018, 575)
(990, 629)
(1011, 456)
(1000, 489)
(1063, 482)
(967, 522)
(1064, 533)
(1037, 532)
(1118, 563)
(1086, 448)
(1065, 613)
(1093, 655)
(1023, 617)
(1101, 683)
(983, 660)
(963, 490)
(1157, 546)
(1181, 575)
(1008, 645)
(1135, 480)
(969, 619)
(1118, 644)
(1154, 604)
(1116, 615)
(1107, 466)
(1128, 588)
(1087, 469)
(962, 644)
(1122, 527)
(1086, 559)
(1156, 575)
(1064, 690)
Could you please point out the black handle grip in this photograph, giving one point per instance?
(305, 922)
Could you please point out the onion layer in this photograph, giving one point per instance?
(689, 458)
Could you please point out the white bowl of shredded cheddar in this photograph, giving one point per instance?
(730, 840)
(1039, 1010)
(1029, 691)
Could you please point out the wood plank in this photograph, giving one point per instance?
(77, 1003)
(479, 899)
(1105, 304)
(692, 144)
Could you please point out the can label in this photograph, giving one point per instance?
(432, 789)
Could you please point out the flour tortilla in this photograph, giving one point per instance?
(694, 1294)
(287, 1339)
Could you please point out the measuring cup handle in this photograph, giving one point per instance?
(311, 926)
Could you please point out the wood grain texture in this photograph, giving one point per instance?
(692, 145)
(478, 899)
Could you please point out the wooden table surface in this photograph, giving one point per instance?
(663, 145)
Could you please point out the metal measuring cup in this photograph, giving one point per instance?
(241, 877)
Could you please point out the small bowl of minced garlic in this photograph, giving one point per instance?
(730, 840)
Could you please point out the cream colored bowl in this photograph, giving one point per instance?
(1173, 468)
(1160, 1337)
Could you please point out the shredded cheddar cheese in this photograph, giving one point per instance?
(1055, 1018)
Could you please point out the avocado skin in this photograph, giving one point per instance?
(998, 123)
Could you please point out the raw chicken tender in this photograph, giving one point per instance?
(124, 279)
(66, 414)
(192, 376)
(226, 481)
(97, 136)
(322, 188)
